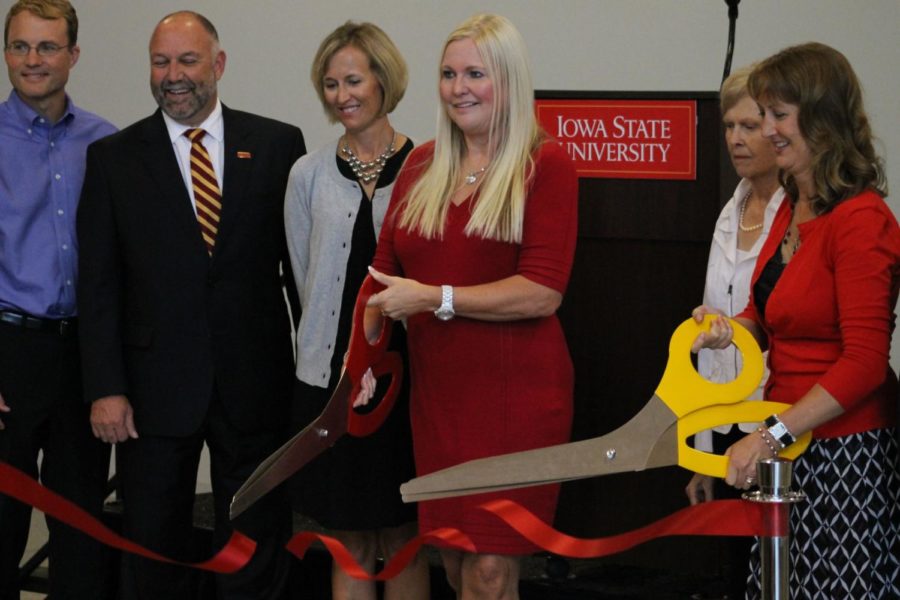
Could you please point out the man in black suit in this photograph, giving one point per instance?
(185, 329)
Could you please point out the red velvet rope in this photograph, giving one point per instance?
(721, 517)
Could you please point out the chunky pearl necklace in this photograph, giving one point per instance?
(741, 217)
(367, 172)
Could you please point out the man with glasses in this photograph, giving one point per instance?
(43, 140)
(185, 331)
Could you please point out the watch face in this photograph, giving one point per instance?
(444, 314)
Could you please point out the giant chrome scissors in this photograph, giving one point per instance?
(338, 416)
(684, 403)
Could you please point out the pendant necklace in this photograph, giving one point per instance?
(367, 172)
(474, 175)
(791, 242)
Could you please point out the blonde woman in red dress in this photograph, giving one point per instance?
(476, 252)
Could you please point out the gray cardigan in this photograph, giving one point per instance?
(320, 209)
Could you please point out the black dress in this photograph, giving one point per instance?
(354, 485)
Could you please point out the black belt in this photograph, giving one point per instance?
(62, 327)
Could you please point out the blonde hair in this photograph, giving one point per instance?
(734, 88)
(832, 119)
(513, 137)
(385, 62)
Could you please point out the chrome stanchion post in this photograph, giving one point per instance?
(774, 477)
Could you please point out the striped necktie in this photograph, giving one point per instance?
(207, 196)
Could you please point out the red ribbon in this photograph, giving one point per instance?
(447, 536)
(721, 517)
(14, 483)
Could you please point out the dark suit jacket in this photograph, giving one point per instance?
(160, 320)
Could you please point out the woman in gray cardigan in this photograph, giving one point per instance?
(335, 204)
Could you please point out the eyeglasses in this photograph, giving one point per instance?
(43, 48)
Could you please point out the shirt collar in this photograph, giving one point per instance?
(213, 125)
(28, 117)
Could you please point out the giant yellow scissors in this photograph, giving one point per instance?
(684, 403)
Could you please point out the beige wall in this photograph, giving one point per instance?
(574, 44)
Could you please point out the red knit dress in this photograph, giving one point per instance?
(483, 388)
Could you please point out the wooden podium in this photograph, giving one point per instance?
(639, 269)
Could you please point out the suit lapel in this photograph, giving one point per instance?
(238, 169)
(159, 158)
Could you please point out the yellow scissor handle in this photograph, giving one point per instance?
(684, 390)
(750, 411)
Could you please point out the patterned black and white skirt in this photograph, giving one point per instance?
(846, 536)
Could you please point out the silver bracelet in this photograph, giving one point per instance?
(763, 433)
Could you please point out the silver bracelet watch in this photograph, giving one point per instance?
(445, 312)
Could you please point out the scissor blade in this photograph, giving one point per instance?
(647, 440)
(311, 441)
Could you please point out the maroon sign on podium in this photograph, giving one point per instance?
(625, 139)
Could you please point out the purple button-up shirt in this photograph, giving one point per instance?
(41, 172)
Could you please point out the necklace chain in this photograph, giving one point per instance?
(474, 175)
(367, 172)
(741, 217)
(791, 242)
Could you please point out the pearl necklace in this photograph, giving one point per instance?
(474, 175)
(367, 172)
(741, 217)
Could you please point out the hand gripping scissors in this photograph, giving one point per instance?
(684, 403)
(338, 417)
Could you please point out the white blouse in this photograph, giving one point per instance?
(728, 274)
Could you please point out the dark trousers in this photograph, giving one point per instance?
(159, 475)
(40, 380)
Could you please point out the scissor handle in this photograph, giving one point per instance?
(363, 355)
(684, 390)
(750, 411)
(359, 424)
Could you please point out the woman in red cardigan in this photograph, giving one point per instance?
(822, 300)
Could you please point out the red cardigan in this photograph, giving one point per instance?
(830, 317)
